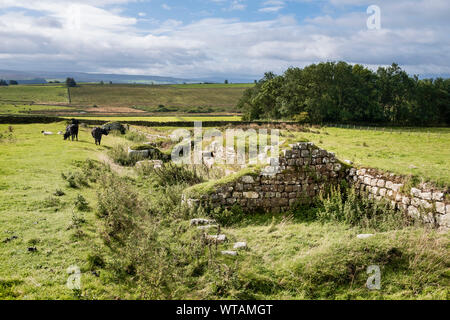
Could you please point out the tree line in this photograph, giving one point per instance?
(6, 83)
(340, 92)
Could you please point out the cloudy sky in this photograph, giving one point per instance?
(229, 38)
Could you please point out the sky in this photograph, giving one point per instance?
(239, 39)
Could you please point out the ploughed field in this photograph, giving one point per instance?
(58, 210)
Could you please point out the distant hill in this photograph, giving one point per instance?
(39, 77)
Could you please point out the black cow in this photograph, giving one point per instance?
(97, 134)
(71, 131)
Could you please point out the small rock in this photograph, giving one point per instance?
(208, 226)
(247, 179)
(240, 245)
(364, 235)
(229, 253)
(32, 249)
(251, 195)
(201, 221)
(348, 161)
(216, 238)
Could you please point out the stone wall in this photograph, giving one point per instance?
(301, 173)
(304, 170)
(425, 202)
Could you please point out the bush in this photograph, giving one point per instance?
(81, 203)
(119, 154)
(349, 208)
(135, 136)
(302, 117)
(170, 174)
(76, 180)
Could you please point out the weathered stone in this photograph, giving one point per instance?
(438, 196)
(361, 172)
(209, 226)
(425, 204)
(425, 195)
(216, 238)
(240, 245)
(251, 195)
(440, 207)
(229, 253)
(415, 202)
(374, 190)
(406, 200)
(201, 221)
(389, 184)
(415, 192)
(443, 220)
(364, 235)
(382, 192)
(381, 183)
(247, 179)
(413, 212)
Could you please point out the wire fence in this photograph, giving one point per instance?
(430, 132)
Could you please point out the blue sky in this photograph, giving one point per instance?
(235, 39)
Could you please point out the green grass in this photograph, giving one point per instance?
(297, 260)
(399, 152)
(213, 85)
(28, 109)
(288, 257)
(148, 98)
(39, 94)
(30, 172)
(163, 118)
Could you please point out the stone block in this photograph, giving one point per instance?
(438, 196)
(251, 195)
(381, 183)
(425, 195)
(415, 192)
(440, 207)
(247, 179)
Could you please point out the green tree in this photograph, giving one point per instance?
(70, 82)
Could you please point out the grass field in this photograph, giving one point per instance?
(28, 109)
(36, 93)
(30, 172)
(289, 257)
(124, 99)
(183, 98)
(164, 118)
(422, 152)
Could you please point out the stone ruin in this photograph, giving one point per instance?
(304, 170)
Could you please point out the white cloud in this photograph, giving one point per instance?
(165, 6)
(106, 40)
(271, 9)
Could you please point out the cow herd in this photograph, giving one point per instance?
(73, 128)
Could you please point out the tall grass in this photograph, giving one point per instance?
(348, 207)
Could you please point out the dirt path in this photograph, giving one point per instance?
(122, 171)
